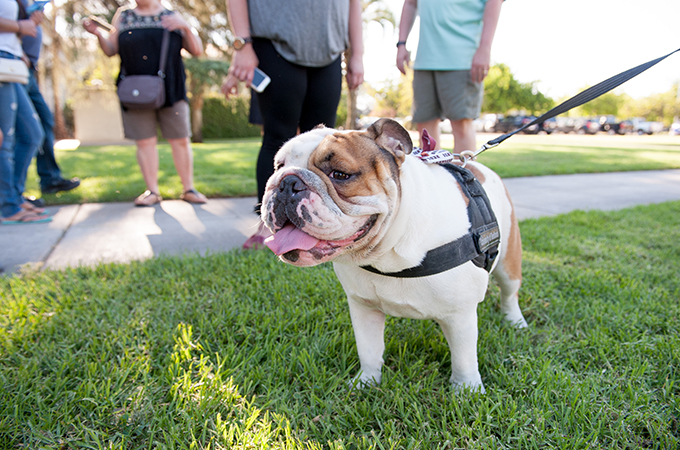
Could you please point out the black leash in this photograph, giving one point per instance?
(579, 99)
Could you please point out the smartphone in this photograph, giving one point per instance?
(36, 6)
(260, 81)
(100, 23)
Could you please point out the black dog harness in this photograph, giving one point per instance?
(479, 245)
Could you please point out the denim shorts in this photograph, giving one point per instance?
(445, 94)
(143, 123)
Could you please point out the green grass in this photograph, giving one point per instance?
(227, 168)
(238, 350)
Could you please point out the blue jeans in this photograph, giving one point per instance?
(48, 169)
(23, 135)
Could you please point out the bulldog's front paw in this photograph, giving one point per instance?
(473, 386)
(363, 380)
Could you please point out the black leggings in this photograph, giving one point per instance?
(298, 97)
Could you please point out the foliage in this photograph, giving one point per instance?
(224, 118)
(206, 73)
(237, 350)
(503, 93)
(395, 98)
(607, 104)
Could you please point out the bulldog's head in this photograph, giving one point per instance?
(334, 192)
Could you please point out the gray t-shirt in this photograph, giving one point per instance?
(311, 33)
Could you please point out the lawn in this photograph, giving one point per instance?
(227, 168)
(238, 350)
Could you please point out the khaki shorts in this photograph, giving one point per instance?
(142, 123)
(449, 94)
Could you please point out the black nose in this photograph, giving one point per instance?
(292, 186)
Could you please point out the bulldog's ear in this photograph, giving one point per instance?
(391, 136)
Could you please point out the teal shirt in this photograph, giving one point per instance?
(450, 31)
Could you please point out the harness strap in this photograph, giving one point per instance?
(479, 245)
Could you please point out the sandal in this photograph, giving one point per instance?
(148, 198)
(26, 206)
(25, 217)
(193, 196)
(256, 241)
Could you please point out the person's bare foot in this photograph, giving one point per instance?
(148, 198)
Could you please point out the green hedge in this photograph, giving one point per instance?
(224, 118)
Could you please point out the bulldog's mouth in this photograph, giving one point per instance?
(289, 240)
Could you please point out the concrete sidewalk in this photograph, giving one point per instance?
(120, 232)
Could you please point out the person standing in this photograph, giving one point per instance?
(21, 130)
(137, 37)
(300, 47)
(453, 58)
(49, 172)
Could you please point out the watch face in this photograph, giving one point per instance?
(239, 43)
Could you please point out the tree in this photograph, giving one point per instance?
(503, 93)
(203, 73)
(373, 11)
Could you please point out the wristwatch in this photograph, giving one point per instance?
(240, 42)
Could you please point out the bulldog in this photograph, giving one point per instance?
(364, 202)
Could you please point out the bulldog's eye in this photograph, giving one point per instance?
(337, 175)
(278, 165)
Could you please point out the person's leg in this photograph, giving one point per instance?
(464, 135)
(427, 111)
(432, 128)
(147, 157)
(461, 99)
(48, 169)
(175, 126)
(280, 105)
(9, 201)
(324, 86)
(29, 136)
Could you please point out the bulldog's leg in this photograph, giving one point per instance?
(369, 330)
(461, 334)
(508, 276)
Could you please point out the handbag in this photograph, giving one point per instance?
(145, 91)
(13, 71)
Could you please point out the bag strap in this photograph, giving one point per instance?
(164, 52)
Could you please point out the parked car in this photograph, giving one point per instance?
(566, 124)
(641, 126)
(611, 125)
(548, 126)
(587, 126)
(511, 123)
(674, 130)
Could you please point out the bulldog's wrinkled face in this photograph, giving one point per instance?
(333, 192)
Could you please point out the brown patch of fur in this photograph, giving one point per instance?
(513, 254)
(357, 155)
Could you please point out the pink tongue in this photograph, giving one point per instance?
(290, 238)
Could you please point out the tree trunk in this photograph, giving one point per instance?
(352, 111)
(196, 117)
(60, 131)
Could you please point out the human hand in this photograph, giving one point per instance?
(480, 65)
(90, 26)
(355, 72)
(230, 86)
(27, 28)
(174, 22)
(243, 64)
(403, 59)
(37, 17)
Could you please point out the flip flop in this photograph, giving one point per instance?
(193, 196)
(34, 209)
(26, 217)
(148, 198)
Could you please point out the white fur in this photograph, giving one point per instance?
(430, 213)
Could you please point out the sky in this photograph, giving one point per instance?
(563, 45)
